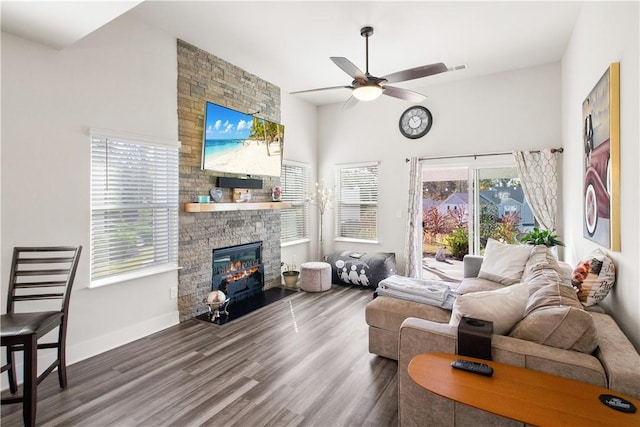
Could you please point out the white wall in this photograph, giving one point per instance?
(605, 32)
(495, 113)
(122, 77)
(300, 145)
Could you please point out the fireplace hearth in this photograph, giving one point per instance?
(246, 306)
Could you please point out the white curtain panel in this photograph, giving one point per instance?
(538, 173)
(413, 247)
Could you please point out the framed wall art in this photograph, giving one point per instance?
(601, 160)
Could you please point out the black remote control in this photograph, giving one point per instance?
(475, 367)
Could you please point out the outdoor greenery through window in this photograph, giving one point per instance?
(357, 202)
(134, 208)
(294, 181)
(463, 207)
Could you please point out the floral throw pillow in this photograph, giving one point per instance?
(593, 278)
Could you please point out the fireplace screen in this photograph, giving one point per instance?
(238, 271)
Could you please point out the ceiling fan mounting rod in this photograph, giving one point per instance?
(366, 32)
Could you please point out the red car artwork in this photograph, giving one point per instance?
(597, 184)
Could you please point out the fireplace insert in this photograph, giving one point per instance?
(238, 271)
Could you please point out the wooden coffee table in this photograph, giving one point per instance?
(521, 394)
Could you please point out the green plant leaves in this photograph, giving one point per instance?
(541, 237)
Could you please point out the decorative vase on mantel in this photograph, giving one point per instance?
(276, 194)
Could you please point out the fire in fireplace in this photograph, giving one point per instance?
(238, 271)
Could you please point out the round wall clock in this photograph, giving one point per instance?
(415, 122)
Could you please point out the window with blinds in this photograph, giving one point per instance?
(294, 181)
(134, 208)
(357, 205)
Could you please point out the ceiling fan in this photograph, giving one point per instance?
(366, 87)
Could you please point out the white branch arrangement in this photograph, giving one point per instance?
(322, 198)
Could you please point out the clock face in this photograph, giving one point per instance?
(415, 122)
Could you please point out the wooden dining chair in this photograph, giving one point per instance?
(37, 274)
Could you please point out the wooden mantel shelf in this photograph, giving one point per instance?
(222, 207)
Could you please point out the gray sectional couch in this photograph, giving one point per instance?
(400, 329)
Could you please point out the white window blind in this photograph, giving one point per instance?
(134, 208)
(357, 207)
(294, 180)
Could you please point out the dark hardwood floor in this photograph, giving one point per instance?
(302, 361)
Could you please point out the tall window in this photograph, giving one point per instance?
(294, 180)
(464, 206)
(134, 207)
(357, 202)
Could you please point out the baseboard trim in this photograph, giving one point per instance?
(89, 348)
(86, 349)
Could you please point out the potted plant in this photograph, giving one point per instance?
(540, 237)
(290, 275)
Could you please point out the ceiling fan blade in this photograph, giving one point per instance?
(348, 67)
(351, 102)
(320, 89)
(405, 94)
(416, 73)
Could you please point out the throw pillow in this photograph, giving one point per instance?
(504, 307)
(594, 277)
(553, 316)
(504, 263)
(552, 295)
(541, 269)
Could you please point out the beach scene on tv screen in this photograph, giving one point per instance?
(240, 143)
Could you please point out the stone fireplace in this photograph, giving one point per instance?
(203, 77)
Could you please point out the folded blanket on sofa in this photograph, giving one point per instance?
(423, 291)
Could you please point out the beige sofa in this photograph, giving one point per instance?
(400, 329)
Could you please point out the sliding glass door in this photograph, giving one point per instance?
(464, 206)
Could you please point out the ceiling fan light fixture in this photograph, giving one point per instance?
(367, 92)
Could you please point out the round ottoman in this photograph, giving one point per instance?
(315, 276)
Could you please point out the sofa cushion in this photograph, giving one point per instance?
(555, 317)
(504, 263)
(550, 296)
(504, 307)
(474, 284)
(388, 313)
(541, 269)
(594, 277)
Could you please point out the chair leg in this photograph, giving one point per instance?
(11, 360)
(62, 366)
(30, 397)
(62, 355)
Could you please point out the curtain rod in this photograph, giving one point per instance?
(553, 150)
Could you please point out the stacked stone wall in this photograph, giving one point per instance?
(204, 77)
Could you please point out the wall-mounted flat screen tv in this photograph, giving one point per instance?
(239, 143)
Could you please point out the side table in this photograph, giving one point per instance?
(521, 394)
